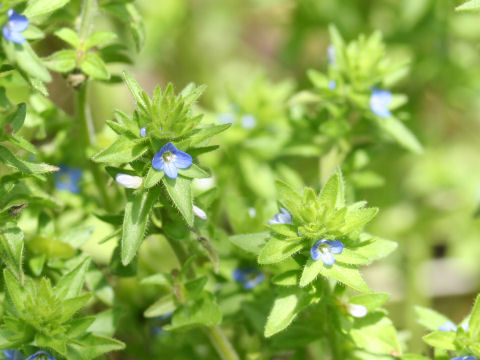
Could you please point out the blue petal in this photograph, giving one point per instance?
(283, 217)
(143, 132)
(17, 22)
(332, 85)
(157, 161)
(38, 353)
(13, 36)
(238, 275)
(335, 246)
(170, 170)
(250, 284)
(464, 358)
(248, 121)
(169, 147)
(12, 354)
(379, 101)
(182, 159)
(314, 252)
(448, 326)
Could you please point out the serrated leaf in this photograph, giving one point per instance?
(276, 250)
(153, 177)
(123, 150)
(42, 7)
(137, 211)
(180, 192)
(284, 311)
(252, 243)
(62, 61)
(346, 274)
(93, 66)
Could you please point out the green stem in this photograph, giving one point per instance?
(215, 333)
(220, 342)
(89, 140)
(89, 10)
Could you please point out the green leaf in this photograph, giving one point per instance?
(474, 323)
(429, 318)
(203, 312)
(27, 60)
(62, 61)
(370, 301)
(441, 339)
(19, 117)
(397, 130)
(77, 236)
(288, 278)
(93, 66)
(22, 143)
(180, 192)
(284, 311)
(376, 334)
(42, 7)
(72, 305)
(123, 150)
(71, 284)
(469, 5)
(99, 38)
(198, 136)
(15, 292)
(11, 247)
(69, 36)
(24, 166)
(252, 243)
(153, 177)
(194, 171)
(92, 346)
(346, 274)
(162, 306)
(276, 250)
(138, 93)
(137, 211)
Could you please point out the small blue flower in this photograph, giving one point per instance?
(448, 326)
(143, 132)
(12, 354)
(159, 322)
(283, 217)
(332, 84)
(379, 101)
(331, 55)
(325, 249)
(249, 277)
(39, 353)
(248, 121)
(226, 118)
(170, 159)
(68, 179)
(464, 358)
(15, 25)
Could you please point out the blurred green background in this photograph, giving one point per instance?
(428, 201)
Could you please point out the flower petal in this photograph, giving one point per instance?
(12, 354)
(314, 251)
(448, 326)
(169, 147)
(358, 311)
(170, 170)
(17, 22)
(13, 36)
(143, 132)
(38, 353)
(379, 101)
(199, 212)
(335, 246)
(182, 159)
(157, 161)
(129, 181)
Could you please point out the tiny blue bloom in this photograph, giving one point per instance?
(15, 25)
(248, 121)
(226, 118)
(283, 217)
(379, 101)
(143, 132)
(448, 326)
(159, 323)
(325, 249)
(67, 178)
(331, 54)
(170, 159)
(39, 353)
(332, 84)
(249, 277)
(464, 358)
(12, 354)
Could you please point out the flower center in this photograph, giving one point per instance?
(168, 156)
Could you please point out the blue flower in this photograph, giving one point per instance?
(12, 354)
(159, 323)
(379, 101)
(448, 326)
(464, 358)
(249, 277)
(15, 25)
(170, 159)
(325, 249)
(248, 121)
(143, 132)
(38, 353)
(332, 84)
(67, 178)
(283, 217)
